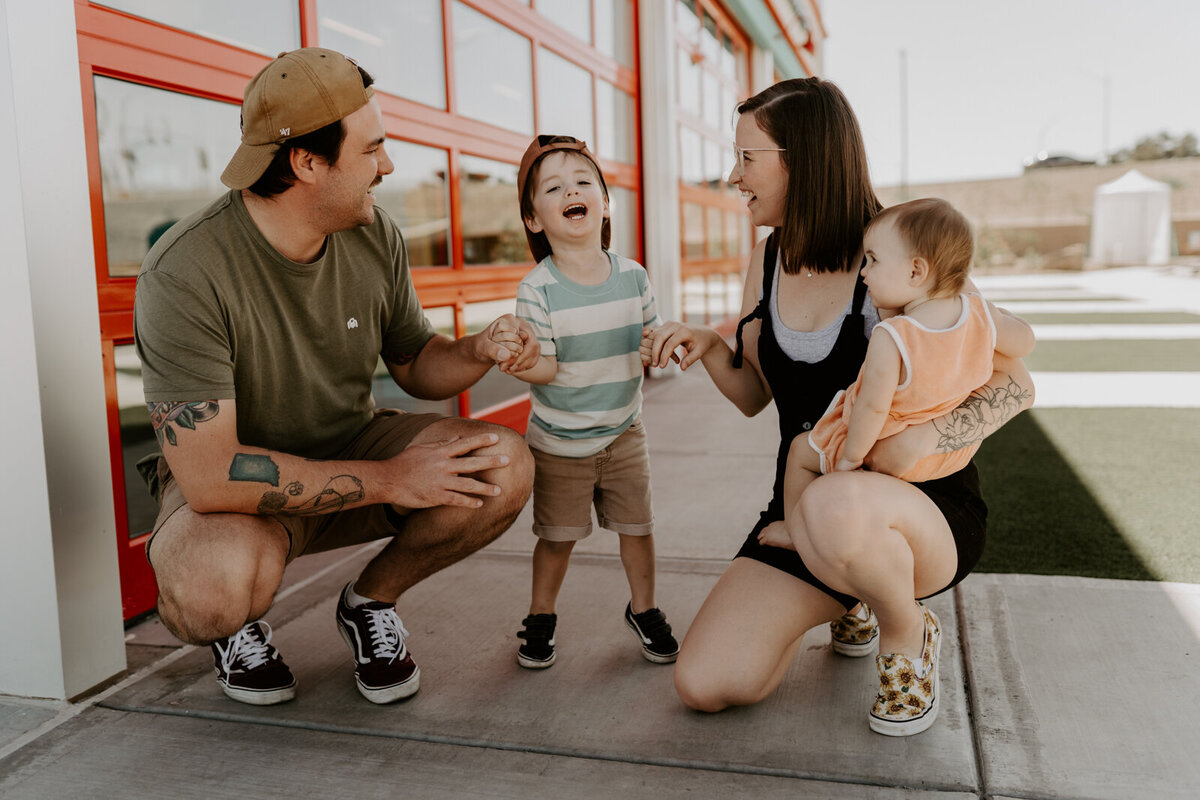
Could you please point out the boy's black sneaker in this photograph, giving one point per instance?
(537, 652)
(652, 630)
(383, 668)
(250, 670)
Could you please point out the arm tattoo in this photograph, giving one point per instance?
(979, 415)
(338, 492)
(164, 416)
(256, 468)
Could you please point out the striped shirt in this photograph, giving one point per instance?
(593, 332)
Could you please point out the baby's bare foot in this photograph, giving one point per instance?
(776, 535)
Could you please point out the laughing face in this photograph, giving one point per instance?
(759, 173)
(568, 202)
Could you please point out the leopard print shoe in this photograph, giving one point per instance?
(855, 635)
(907, 702)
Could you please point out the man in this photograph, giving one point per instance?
(260, 321)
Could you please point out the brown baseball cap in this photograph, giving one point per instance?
(296, 93)
(541, 146)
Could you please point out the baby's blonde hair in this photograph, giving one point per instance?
(937, 232)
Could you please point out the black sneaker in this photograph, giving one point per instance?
(538, 650)
(651, 628)
(383, 669)
(250, 670)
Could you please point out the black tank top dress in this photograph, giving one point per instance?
(802, 393)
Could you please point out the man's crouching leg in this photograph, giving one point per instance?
(435, 538)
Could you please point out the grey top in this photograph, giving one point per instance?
(813, 346)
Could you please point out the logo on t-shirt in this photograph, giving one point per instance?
(351, 323)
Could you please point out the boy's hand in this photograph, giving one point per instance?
(646, 348)
(511, 344)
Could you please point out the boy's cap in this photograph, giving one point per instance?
(542, 145)
(296, 93)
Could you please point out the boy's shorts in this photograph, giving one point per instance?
(386, 435)
(616, 480)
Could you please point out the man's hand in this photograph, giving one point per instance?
(436, 474)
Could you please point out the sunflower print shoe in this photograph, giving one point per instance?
(855, 635)
(907, 702)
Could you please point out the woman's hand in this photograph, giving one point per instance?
(659, 344)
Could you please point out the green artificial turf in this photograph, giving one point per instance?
(1115, 355)
(1097, 492)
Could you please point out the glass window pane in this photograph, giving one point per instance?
(161, 158)
(616, 134)
(623, 204)
(728, 58)
(491, 218)
(493, 72)
(564, 98)
(494, 387)
(714, 114)
(686, 19)
(691, 168)
(264, 26)
(689, 83)
(710, 44)
(614, 29)
(137, 439)
(389, 395)
(573, 16)
(735, 234)
(399, 44)
(416, 196)
(716, 164)
(715, 233)
(693, 231)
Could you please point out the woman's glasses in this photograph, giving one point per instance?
(739, 154)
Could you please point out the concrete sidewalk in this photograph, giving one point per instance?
(1052, 687)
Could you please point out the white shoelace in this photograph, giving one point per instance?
(244, 645)
(387, 632)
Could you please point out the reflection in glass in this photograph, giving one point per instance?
(416, 197)
(623, 204)
(493, 71)
(388, 395)
(264, 26)
(161, 158)
(494, 387)
(693, 231)
(573, 16)
(491, 218)
(691, 168)
(715, 233)
(400, 44)
(614, 29)
(137, 439)
(616, 137)
(564, 98)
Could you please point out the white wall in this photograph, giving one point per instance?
(60, 602)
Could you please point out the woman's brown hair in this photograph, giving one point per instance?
(829, 197)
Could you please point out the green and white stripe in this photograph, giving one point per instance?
(593, 332)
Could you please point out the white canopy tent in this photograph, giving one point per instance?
(1131, 221)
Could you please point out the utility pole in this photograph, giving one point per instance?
(1104, 123)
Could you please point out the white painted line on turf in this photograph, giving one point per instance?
(1117, 389)
(1130, 306)
(1045, 333)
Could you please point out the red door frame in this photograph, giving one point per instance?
(119, 45)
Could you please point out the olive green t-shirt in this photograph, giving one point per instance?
(221, 314)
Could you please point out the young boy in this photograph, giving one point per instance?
(588, 307)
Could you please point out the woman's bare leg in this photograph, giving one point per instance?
(745, 636)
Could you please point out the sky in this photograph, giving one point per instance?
(991, 83)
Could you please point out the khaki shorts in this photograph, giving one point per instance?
(386, 435)
(616, 480)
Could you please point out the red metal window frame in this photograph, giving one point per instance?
(119, 45)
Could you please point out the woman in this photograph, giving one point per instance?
(873, 538)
